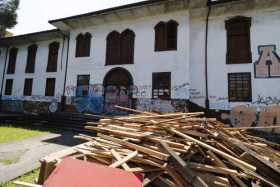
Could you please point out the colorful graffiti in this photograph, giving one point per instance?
(268, 64)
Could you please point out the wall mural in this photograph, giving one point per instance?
(268, 64)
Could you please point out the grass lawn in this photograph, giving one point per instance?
(29, 177)
(13, 133)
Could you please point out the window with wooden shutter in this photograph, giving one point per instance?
(166, 36)
(82, 85)
(238, 40)
(28, 87)
(31, 58)
(239, 87)
(113, 51)
(127, 47)
(161, 88)
(9, 87)
(53, 57)
(50, 87)
(12, 61)
(83, 45)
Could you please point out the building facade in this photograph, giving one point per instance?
(156, 55)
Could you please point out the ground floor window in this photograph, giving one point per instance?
(161, 85)
(82, 85)
(239, 87)
(50, 87)
(9, 87)
(28, 87)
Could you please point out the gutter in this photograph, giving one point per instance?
(63, 98)
(3, 77)
(206, 55)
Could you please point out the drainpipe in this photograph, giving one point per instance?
(206, 55)
(3, 77)
(63, 97)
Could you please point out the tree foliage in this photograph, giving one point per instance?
(8, 15)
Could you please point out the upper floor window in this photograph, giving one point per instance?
(53, 57)
(12, 61)
(31, 58)
(166, 36)
(238, 40)
(83, 43)
(120, 47)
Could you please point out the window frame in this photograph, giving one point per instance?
(31, 58)
(53, 54)
(244, 30)
(13, 53)
(27, 90)
(155, 76)
(50, 90)
(9, 90)
(249, 99)
(88, 85)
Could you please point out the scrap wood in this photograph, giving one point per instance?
(181, 149)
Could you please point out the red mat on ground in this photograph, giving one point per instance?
(75, 173)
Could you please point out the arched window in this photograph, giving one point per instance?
(127, 47)
(83, 44)
(31, 58)
(113, 51)
(12, 60)
(53, 57)
(238, 40)
(166, 36)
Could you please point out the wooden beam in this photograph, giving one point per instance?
(124, 160)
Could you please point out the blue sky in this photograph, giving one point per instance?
(33, 15)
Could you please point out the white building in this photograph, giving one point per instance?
(158, 55)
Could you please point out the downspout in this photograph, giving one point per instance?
(63, 98)
(206, 55)
(3, 77)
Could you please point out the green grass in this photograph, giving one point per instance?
(29, 177)
(12, 133)
(7, 162)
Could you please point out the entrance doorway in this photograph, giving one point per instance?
(117, 84)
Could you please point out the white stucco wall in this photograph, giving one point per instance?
(40, 75)
(2, 62)
(264, 31)
(146, 60)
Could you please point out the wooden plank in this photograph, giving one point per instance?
(26, 184)
(221, 153)
(139, 148)
(124, 160)
(119, 158)
(183, 168)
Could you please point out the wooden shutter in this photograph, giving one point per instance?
(172, 30)
(31, 58)
(161, 85)
(53, 57)
(87, 44)
(238, 40)
(160, 36)
(50, 87)
(113, 51)
(28, 87)
(127, 47)
(9, 87)
(79, 45)
(12, 61)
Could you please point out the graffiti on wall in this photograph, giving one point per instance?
(266, 101)
(268, 64)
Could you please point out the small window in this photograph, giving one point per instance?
(238, 40)
(239, 87)
(9, 87)
(161, 85)
(31, 58)
(50, 87)
(82, 85)
(83, 44)
(53, 57)
(12, 61)
(166, 36)
(28, 87)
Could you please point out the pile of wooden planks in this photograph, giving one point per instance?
(182, 149)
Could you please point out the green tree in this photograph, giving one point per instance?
(8, 15)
